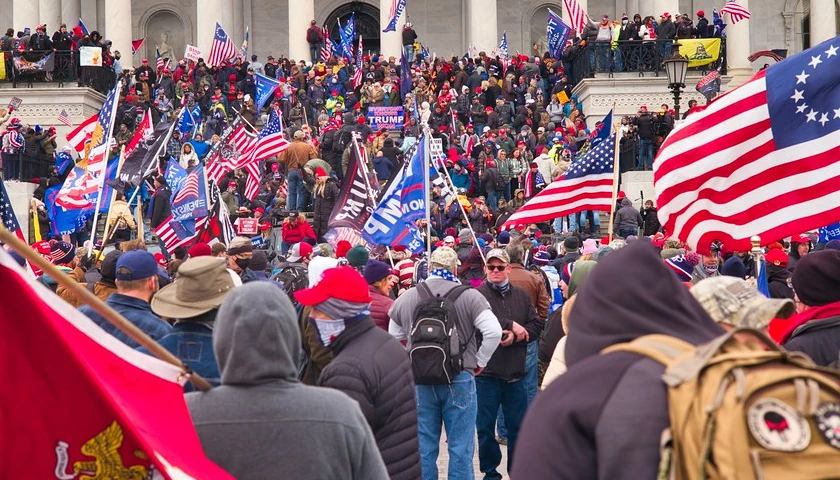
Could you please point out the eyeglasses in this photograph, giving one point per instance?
(498, 268)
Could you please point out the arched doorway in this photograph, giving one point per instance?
(367, 24)
(537, 24)
(165, 30)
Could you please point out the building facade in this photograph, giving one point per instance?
(277, 27)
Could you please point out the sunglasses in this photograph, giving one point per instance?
(498, 268)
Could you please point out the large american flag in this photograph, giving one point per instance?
(79, 135)
(760, 160)
(357, 74)
(736, 12)
(576, 14)
(327, 49)
(270, 141)
(586, 185)
(222, 47)
(7, 214)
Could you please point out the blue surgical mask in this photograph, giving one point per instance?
(328, 330)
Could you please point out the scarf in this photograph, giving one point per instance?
(503, 288)
(532, 182)
(783, 330)
(344, 314)
(444, 274)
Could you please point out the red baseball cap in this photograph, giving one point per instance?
(343, 283)
(800, 239)
(777, 257)
(159, 258)
(200, 249)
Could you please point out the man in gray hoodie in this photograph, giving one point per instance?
(262, 422)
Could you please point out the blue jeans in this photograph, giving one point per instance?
(618, 62)
(574, 226)
(315, 52)
(493, 200)
(507, 192)
(408, 50)
(645, 153)
(456, 407)
(625, 232)
(530, 380)
(513, 398)
(297, 194)
(596, 221)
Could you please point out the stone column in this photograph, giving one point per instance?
(823, 21)
(738, 49)
(238, 25)
(633, 8)
(646, 8)
(301, 12)
(226, 19)
(71, 12)
(662, 6)
(207, 14)
(26, 14)
(118, 28)
(482, 26)
(390, 43)
(50, 13)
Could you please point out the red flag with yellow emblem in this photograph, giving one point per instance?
(79, 404)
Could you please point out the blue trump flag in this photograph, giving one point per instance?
(62, 220)
(387, 224)
(175, 176)
(412, 192)
(264, 88)
(63, 161)
(189, 204)
(107, 188)
(190, 119)
(348, 34)
(392, 25)
(829, 232)
(557, 33)
(405, 75)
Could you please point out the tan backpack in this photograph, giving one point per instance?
(743, 408)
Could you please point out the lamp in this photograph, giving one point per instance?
(676, 67)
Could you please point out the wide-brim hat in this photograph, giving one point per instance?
(203, 283)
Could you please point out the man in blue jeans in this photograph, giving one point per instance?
(502, 383)
(455, 405)
(295, 157)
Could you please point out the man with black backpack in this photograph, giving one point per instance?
(442, 322)
(314, 37)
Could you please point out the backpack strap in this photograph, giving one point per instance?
(663, 349)
(454, 293)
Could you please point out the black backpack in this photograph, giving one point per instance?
(293, 278)
(436, 351)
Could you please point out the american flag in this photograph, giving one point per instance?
(270, 141)
(189, 189)
(586, 185)
(759, 160)
(576, 14)
(79, 135)
(327, 49)
(159, 62)
(64, 118)
(357, 75)
(222, 47)
(170, 239)
(252, 185)
(736, 12)
(7, 214)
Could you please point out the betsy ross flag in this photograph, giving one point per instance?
(736, 11)
(760, 160)
(586, 185)
(222, 47)
(357, 74)
(85, 404)
(64, 118)
(577, 15)
(79, 135)
(7, 214)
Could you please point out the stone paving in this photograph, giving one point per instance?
(443, 461)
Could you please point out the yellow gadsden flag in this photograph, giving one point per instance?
(700, 51)
(2, 65)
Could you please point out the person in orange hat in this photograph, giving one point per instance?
(369, 365)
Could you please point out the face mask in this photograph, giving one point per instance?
(710, 269)
(624, 22)
(242, 263)
(328, 330)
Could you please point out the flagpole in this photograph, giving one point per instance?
(367, 182)
(107, 233)
(118, 90)
(427, 189)
(99, 306)
(615, 181)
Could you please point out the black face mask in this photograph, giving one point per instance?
(242, 263)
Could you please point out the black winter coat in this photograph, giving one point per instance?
(323, 208)
(373, 368)
(819, 339)
(508, 363)
(160, 208)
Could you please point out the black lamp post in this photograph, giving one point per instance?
(676, 67)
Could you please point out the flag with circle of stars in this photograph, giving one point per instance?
(7, 213)
(803, 95)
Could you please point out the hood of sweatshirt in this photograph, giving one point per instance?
(256, 338)
(630, 295)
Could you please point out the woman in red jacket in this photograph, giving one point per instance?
(295, 229)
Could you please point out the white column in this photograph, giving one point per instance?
(823, 21)
(226, 19)
(25, 14)
(71, 12)
(238, 26)
(662, 6)
(633, 8)
(390, 42)
(621, 7)
(482, 26)
(646, 8)
(50, 13)
(207, 14)
(301, 12)
(118, 28)
(738, 49)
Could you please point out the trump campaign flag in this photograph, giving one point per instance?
(412, 191)
(90, 406)
(397, 7)
(190, 203)
(348, 34)
(175, 176)
(557, 32)
(387, 224)
(78, 137)
(760, 160)
(264, 87)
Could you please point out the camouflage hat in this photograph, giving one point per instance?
(445, 257)
(735, 302)
(498, 253)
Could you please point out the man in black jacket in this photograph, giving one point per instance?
(160, 208)
(369, 365)
(501, 383)
(409, 36)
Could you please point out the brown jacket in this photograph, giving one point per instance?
(298, 153)
(101, 290)
(534, 285)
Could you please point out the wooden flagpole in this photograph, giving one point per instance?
(99, 306)
(615, 181)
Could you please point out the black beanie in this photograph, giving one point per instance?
(816, 278)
